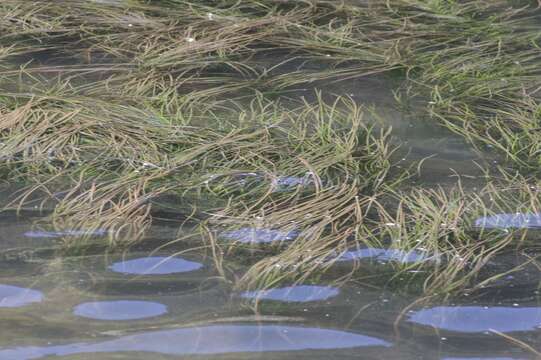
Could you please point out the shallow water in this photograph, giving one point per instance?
(142, 304)
(170, 304)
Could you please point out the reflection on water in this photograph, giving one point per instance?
(376, 254)
(504, 221)
(476, 319)
(155, 265)
(418, 139)
(219, 339)
(284, 183)
(480, 358)
(254, 235)
(299, 293)
(119, 310)
(14, 296)
(58, 234)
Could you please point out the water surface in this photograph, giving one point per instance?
(219, 339)
(119, 310)
(14, 296)
(155, 265)
(297, 293)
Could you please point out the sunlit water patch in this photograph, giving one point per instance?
(219, 339)
(384, 255)
(14, 296)
(478, 319)
(300, 293)
(155, 265)
(119, 310)
(255, 235)
(505, 221)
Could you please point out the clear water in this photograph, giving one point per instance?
(140, 304)
(170, 304)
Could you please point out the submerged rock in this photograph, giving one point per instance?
(298, 293)
(155, 265)
(119, 310)
(217, 339)
(504, 221)
(255, 235)
(478, 319)
(14, 296)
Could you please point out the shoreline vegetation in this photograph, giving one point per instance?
(109, 107)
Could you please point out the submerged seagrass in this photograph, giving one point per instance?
(109, 108)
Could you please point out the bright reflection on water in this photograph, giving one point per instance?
(476, 319)
(300, 293)
(14, 296)
(285, 183)
(219, 339)
(119, 310)
(254, 235)
(376, 254)
(504, 221)
(155, 265)
(58, 234)
(480, 358)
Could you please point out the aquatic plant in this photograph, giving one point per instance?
(110, 108)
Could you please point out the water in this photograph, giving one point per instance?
(255, 235)
(220, 339)
(168, 304)
(384, 255)
(297, 293)
(505, 221)
(119, 310)
(14, 296)
(480, 319)
(147, 304)
(155, 265)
